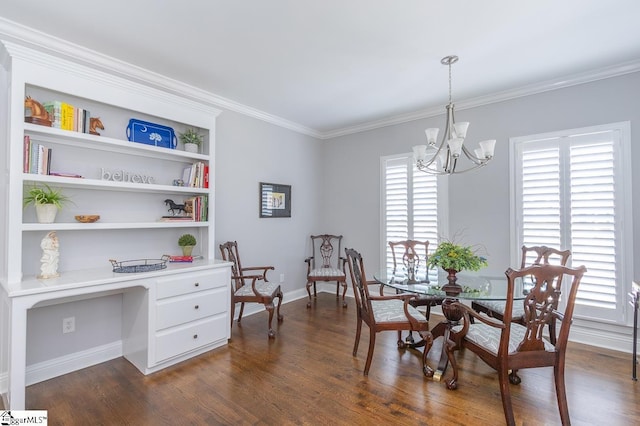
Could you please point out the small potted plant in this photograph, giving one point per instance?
(47, 202)
(187, 242)
(191, 140)
(454, 258)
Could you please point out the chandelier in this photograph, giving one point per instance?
(451, 156)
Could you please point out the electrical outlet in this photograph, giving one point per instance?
(281, 278)
(69, 325)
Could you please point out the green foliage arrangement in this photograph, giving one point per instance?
(45, 195)
(187, 240)
(453, 256)
(191, 136)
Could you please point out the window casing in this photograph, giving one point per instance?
(572, 190)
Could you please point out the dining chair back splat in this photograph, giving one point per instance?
(250, 285)
(506, 345)
(531, 255)
(383, 313)
(408, 254)
(326, 265)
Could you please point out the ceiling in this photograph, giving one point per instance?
(333, 65)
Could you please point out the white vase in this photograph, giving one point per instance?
(191, 147)
(46, 213)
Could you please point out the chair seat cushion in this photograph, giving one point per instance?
(264, 288)
(489, 337)
(393, 311)
(325, 273)
(499, 305)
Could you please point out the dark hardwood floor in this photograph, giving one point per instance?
(307, 376)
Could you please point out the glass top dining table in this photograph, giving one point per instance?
(473, 287)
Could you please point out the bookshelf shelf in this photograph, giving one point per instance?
(74, 226)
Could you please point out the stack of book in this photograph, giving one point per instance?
(37, 158)
(67, 117)
(196, 175)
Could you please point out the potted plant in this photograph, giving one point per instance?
(47, 202)
(191, 140)
(187, 242)
(454, 258)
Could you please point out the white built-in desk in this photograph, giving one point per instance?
(170, 314)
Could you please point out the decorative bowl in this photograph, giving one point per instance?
(88, 218)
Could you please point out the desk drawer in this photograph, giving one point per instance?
(192, 282)
(176, 341)
(181, 309)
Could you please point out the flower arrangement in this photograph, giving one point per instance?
(453, 256)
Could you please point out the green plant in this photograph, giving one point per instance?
(191, 136)
(45, 195)
(187, 240)
(453, 256)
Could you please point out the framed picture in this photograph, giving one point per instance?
(275, 200)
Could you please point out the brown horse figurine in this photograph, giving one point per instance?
(35, 113)
(94, 125)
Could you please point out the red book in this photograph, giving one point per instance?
(206, 176)
(180, 258)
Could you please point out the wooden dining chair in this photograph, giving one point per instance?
(408, 254)
(326, 265)
(382, 313)
(505, 345)
(531, 255)
(250, 285)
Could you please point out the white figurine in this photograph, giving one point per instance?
(50, 255)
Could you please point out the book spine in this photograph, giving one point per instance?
(67, 116)
(87, 118)
(54, 108)
(25, 154)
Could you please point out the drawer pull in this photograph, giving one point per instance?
(197, 284)
(197, 306)
(195, 336)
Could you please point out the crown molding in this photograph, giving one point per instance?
(48, 44)
(532, 89)
(45, 43)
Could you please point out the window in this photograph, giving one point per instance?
(410, 203)
(571, 190)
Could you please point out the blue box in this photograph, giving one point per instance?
(151, 134)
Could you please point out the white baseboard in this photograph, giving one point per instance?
(58, 366)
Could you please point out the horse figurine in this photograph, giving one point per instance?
(94, 125)
(173, 207)
(35, 113)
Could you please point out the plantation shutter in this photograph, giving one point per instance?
(410, 204)
(569, 195)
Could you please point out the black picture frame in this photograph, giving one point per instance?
(274, 200)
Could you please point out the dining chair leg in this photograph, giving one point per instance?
(279, 316)
(269, 306)
(372, 344)
(561, 394)
(358, 330)
(505, 393)
(233, 312)
(241, 311)
(309, 284)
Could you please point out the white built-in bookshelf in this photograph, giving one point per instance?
(124, 182)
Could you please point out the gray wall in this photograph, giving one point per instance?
(249, 151)
(479, 200)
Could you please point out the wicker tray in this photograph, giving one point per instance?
(139, 265)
